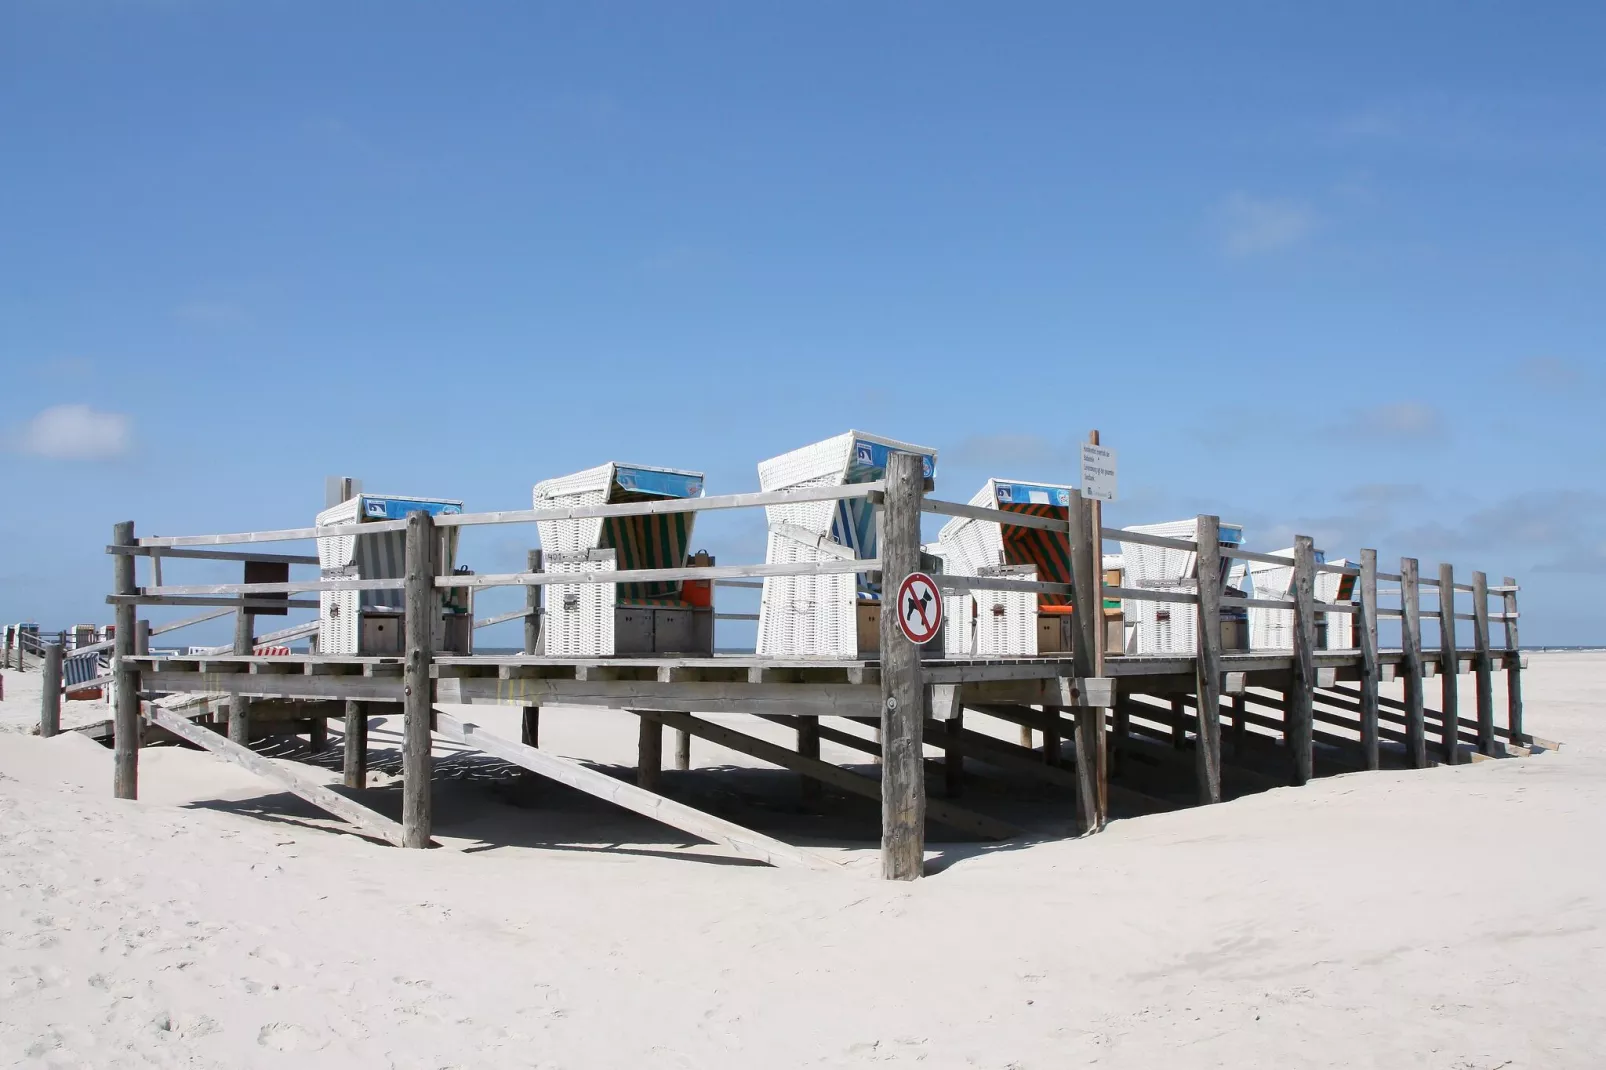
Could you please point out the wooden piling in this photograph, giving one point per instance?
(1416, 744)
(240, 705)
(125, 680)
(1087, 613)
(422, 607)
(1366, 637)
(1482, 665)
(530, 732)
(1513, 665)
(50, 692)
(1449, 668)
(1207, 670)
(1301, 710)
(354, 757)
(1240, 725)
(808, 746)
(903, 779)
(649, 754)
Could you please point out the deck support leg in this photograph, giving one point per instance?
(1371, 674)
(125, 681)
(1051, 741)
(239, 705)
(354, 757)
(1302, 709)
(1416, 744)
(318, 734)
(649, 755)
(682, 750)
(949, 713)
(530, 721)
(1449, 669)
(1240, 724)
(422, 608)
(1179, 716)
(903, 775)
(808, 746)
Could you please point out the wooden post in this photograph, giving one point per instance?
(318, 733)
(142, 637)
(1240, 726)
(1051, 745)
(125, 681)
(1302, 708)
(354, 763)
(1207, 668)
(1513, 665)
(903, 775)
(239, 705)
(1179, 727)
(1026, 739)
(1482, 664)
(50, 692)
(1366, 636)
(808, 746)
(649, 754)
(1087, 604)
(530, 734)
(1416, 744)
(1449, 669)
(1096, 536)
(422, 607)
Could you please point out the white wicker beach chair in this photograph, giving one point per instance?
(607, 619)
(1273, 629)
(370, 623)
(835, 616)
(1008, 623)
(1168, 627)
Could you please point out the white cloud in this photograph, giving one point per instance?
(76, 433)
(1404, 419)
(1255, 225)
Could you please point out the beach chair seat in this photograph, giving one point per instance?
(1009, 623)
(609, 619)
(1171, 627)
(830, 616)
(371, 623)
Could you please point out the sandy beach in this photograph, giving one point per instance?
(1451, 918)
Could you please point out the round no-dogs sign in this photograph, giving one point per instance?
(919, 608)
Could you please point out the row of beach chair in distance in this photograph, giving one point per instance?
(833, 615)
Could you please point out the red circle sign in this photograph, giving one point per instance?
(919, 608)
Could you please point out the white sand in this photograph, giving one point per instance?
(1446, 918)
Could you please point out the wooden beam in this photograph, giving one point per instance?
(1208, 663)
(1416, 745)
(530, 716)
(125, 688)
(422, 609)
(1449, 744)
(354, 756)
(741, 841)
(937, 809)
(1482, 665)
(240, 705)
(1366, 636)
(832, 700)
(649, 754)
(1305, 680)
(903, 777)
(808, 746)
(286, 776)
(1513, 665)
(1087, 611)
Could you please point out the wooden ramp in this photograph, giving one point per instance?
(364, 819)
(742, 841)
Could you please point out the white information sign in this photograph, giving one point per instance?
(1098, 472)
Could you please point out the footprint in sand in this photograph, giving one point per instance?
(287, 1036)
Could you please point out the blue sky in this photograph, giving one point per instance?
(1339, 274)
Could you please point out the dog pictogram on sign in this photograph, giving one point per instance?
(919, 608)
